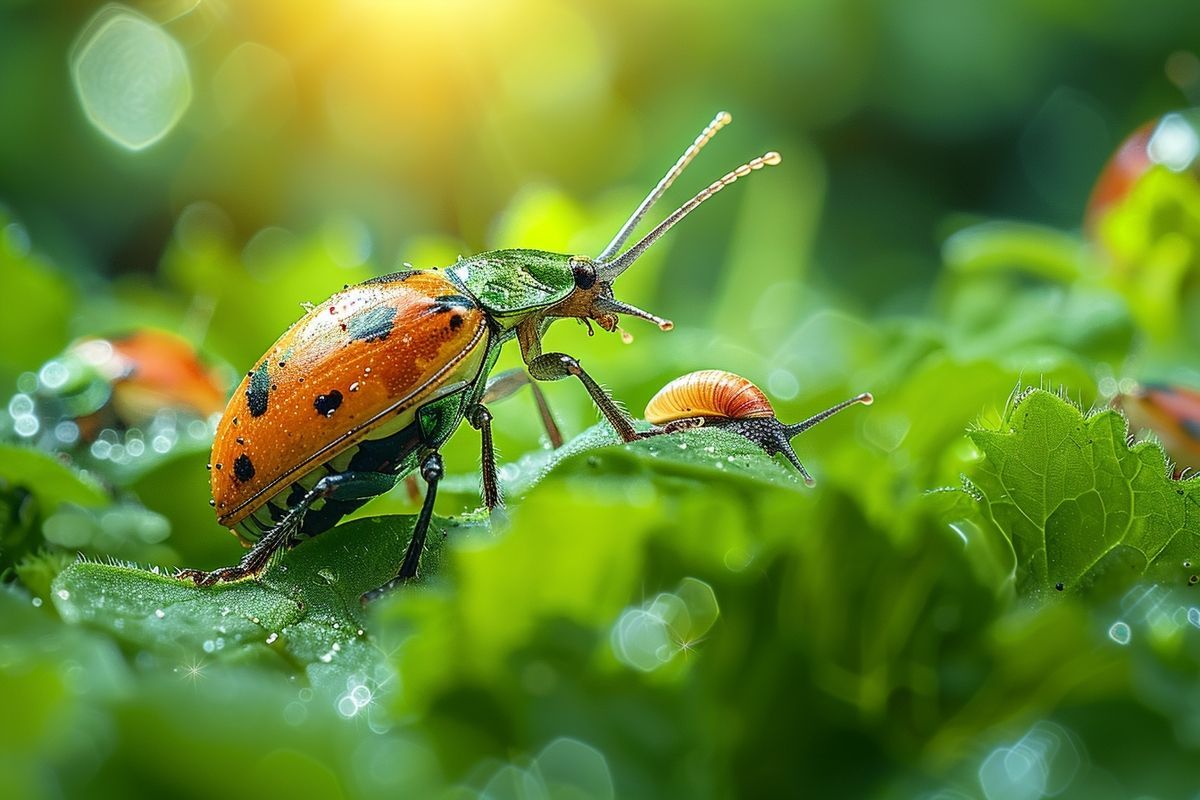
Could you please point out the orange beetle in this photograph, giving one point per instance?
(369, 385)
(718, 399)
(366, 388)
(150, 370)
(118, 382)
(1172, 413)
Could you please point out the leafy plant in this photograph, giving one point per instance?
(1084, 512)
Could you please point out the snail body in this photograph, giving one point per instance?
(720, 399)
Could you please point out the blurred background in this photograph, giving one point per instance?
(205, 167)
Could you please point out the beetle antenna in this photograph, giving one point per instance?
(791, 431)
(609, 270)
(722, 119)
(614, 306)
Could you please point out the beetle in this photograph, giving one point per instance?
(1173, 413)
(715, 398)
(367, 386)
(120, 382)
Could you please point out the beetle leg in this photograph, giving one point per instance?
(341, 486)
(556, 366)
(481, 420)
(254, 561)
(510, 381)
(432, 471)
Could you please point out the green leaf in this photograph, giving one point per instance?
(700, 453)
(34, 325)
(48, 479)
(1081, 508)
(33, 485)
(304, 611)
(1005, 246)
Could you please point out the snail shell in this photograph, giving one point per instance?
(708, 393)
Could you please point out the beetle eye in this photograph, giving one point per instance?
(585, 274)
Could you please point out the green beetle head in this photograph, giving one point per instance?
(520, 286)
(592, 296)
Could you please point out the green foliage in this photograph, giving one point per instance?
(31, 331)
(304, 612)
(1153, 235)
(1084, 512)
(678, 617)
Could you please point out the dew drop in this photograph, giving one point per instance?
(361, 695)
(26, 426)
(345, 705)
(1119, 633)
(21, 405)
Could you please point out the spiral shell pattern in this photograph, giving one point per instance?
(708, 393)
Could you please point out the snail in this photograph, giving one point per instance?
(719, 399)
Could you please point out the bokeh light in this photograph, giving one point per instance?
(131, 77)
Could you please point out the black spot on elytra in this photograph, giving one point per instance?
(371, 324)
(326, 404)
(456, 322)
(257, 396)
(243, 468)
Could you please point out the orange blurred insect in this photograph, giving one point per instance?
(148, 370)
(1172, 413)
(717, 399)
(114, 383)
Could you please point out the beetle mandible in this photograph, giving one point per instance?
(367, 386)
(718, 399)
